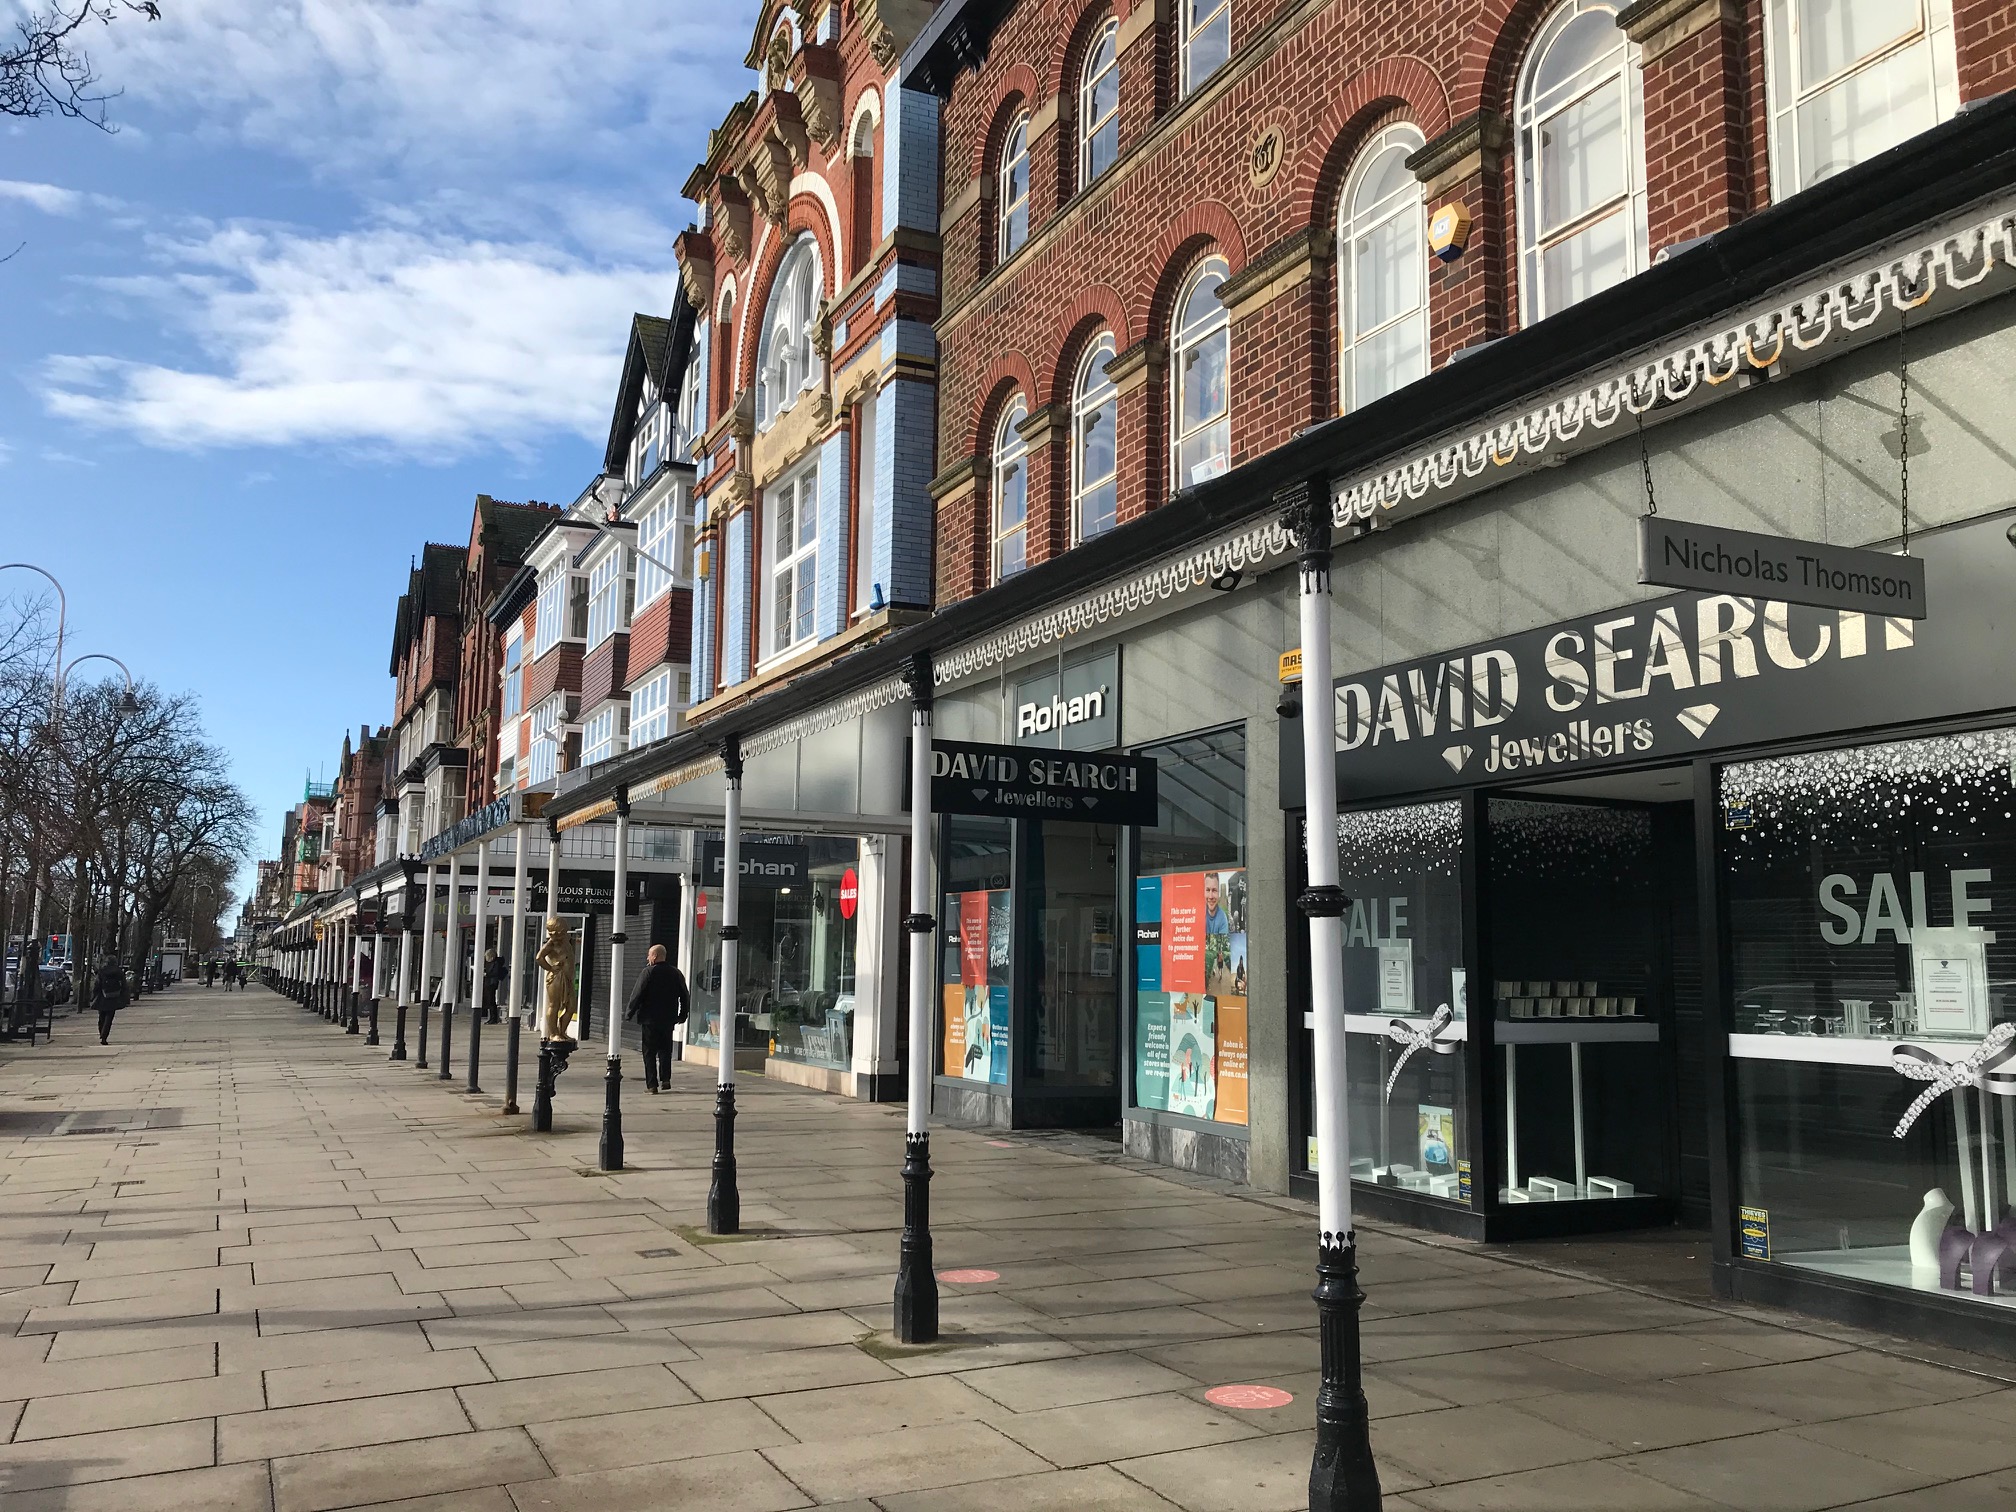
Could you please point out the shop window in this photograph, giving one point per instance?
(1204, 41)
(1095, 419)
(1200, 359)
(1014, 189)
(1099, 106)
(1010, 493)
(791, 536)
(1581, 121)
(1382, 272)
(1403, 964)
(977, 942)
(1583, 948)
(1871, 897)
(1852, 78)
(1190, 933)
(788, 364)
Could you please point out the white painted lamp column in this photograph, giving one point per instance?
(451, 968)
(724, 1198)
(424, 990)
(612, 1084)
(916, 1281)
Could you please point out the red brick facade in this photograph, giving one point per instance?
(662, 632)
(1113, 255)
(559, 670)
(605, 670)
(499, 532)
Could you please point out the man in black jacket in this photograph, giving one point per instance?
(658, 1002)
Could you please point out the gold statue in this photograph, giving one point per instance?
(556, 959)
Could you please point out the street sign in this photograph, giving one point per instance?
(1712, 559)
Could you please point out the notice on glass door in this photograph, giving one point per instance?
(1190, 1018)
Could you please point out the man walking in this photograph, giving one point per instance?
(659, 1002)
(493, 984)
(108, 996)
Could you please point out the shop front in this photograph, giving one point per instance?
(1699, 908)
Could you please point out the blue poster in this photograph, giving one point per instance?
(997, 1008)
(1151, 1050)
(1148, 939)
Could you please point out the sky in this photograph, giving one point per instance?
(344, 265)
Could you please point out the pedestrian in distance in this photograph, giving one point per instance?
(108, 996)
(493, 984)
(209, 973)
(659, 1002)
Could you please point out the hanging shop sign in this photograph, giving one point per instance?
(1070, 704)
(765, 861)
(594, 892)
(486, 820)
(1672, 677)
(1018, 782)
(1677, 554)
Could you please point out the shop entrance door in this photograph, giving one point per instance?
(1071, 1040)
(1593, 941)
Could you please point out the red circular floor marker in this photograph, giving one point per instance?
(1000, 1144)
(968, 1277)
(1248, 1398)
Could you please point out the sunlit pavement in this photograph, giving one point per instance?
(248, 1262)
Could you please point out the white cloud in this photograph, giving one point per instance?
(423, 90)
(383, 339)
(50, 199)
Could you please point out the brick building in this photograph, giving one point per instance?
(499, 535)
(430, 768)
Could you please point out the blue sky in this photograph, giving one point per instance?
(346, 264)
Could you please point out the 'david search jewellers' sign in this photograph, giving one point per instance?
(1023, 782)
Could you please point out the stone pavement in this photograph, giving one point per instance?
(248, 1263)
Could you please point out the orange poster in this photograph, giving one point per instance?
(1183, 932)
(973, 939)
(954, 1008)
(1231, 1060)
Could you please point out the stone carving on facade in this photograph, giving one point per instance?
(891, 25)
(731, 219)
(815, 81)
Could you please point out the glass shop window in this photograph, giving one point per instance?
(976, 935)
(1190, 934)
(1582, 948)
(1872, 934)
(1406, 1004)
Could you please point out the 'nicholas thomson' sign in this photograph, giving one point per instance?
(1672, 677)
(1712, 559)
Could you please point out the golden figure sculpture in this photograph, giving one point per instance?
(556, 959)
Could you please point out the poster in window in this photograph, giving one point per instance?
(1151, 1050)
(997, 1024)
(954, 1007)
(1436, 1146)
(1232, 1058)
(1148, 937)
(973, 941)
(1949, 969)
(1396, 976)
(1183, 934)
(1193, 1054)
(977, 1035)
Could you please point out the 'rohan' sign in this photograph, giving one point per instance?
(1710, 559)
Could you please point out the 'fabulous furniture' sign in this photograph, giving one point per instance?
(1676, 554)
(1017, 782)
(1668, 678)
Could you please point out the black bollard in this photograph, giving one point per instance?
(1342, 1477)
(916, 1281)
(511, 1066)
(371, 1034)
(399, 1032)
(475, 1046)
(447, 1028)
(724, 1200)
(420, 1061)
(612, 1116)
(542, 1091)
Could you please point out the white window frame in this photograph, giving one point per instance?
(549, 735)
(664, 532)
(1786, 92)
(649, 443)
(1411, 204)
(692, 418)
(1619, 68)
(1014, 154)
(551, 615)
(1102, 61)
(1189, 27)
(1011, 451)
(803, 484)
(1091, 391)
(787, 365)
(1214, 326)
(512, 702)
(651, 710)
(605, 734)
(610, 591)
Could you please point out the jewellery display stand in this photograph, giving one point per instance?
(1572, 1013)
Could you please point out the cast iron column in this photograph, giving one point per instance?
(916, 1281)
(356, 944)
(422, 993)
(380, 951)
(724, 1200)
(612, 1084)
(477, 966)
(405, 975)
(515, 989)
(1342, 1476)
(542, 1092)
(451, 967)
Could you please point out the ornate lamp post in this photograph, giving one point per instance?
(916, 1281)
(724, 1198)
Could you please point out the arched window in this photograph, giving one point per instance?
(1852, 78)
(861, 179)
(1581, 117)
(786, 366)
(1099, 106)
(1015, 187)
(1200, 359)
(1382, 272)
(1205, 40)
(1095, 416)
(1011, 492)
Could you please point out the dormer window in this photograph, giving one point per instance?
(648, 440)
(787, 365)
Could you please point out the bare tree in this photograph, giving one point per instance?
(46, 71)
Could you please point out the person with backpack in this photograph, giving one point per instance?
(659, 1002)
(108, 996)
